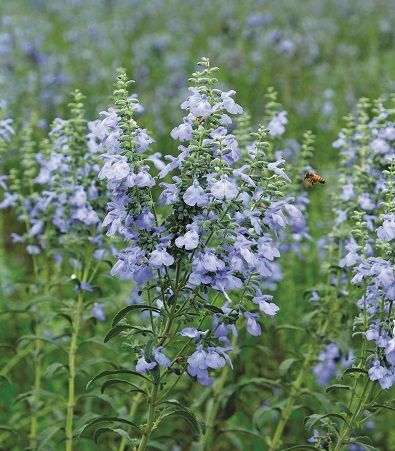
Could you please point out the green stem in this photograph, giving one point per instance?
(72, 372)
(151, 419)
(206, 440)
(36, 397)
(275, 442)
(355, 418)
(132, 414)
(15, 360)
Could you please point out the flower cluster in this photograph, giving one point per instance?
(216, 241)
(58, 197)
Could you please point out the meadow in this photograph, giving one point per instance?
(197, 225)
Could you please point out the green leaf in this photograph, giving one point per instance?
(238, 430)
(8, 429)
(119, 432)
(130, 308)
(338, 387)
(53, 368)
(248, 382)
(212, 308)
(6, 379)
(30, 338)
(300, 447)
(383, 406)
(289, 327)
(344, 408)
(355, 370)
(116, 331)
(107, 420)
(102, 397)
(321, 398)
(187, 416)
(46, 436)
(312, 420)
(112, 372)
(112, 382)
(286, 365)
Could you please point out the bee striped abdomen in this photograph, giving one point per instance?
(311, 179)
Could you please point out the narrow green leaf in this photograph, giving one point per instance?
(112, 372)
(46, 436)
(286, 365)
(108, 420)
(300, 447)
(354, 370)
(131, 308)
(237, 430)
(118, 431)
(53, 368)
(116, 331)
(338, 387)
(112, 382)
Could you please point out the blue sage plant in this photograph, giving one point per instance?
(369, 257)
(59, 202)
(198, 247)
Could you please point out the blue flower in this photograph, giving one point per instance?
(98, 311)
(183, 132)
(143, 140)
(377, 371)
(386, 232)
(274, 167)
(197, 359)
(253, 327)
(169, 195)
(142, 179)
(115, 169)
(327, 366)
(229, 104)
(365, 202)
(352, 257)
(190, 240)
(198, 104)
(269, 308)
(224, 189)
(160, 257)
(195, 195)
(277, 124)
(142, 366)
(160, 358)
(390, 350)
(214, 359)
(191, 332)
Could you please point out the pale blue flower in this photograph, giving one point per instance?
(98, 311)
(160, 358)
(229, 104)
(224, 189)
(274, 167)
(160, 257)
(142, 366)
(183, 132)
(190, 240)
(195, 195)
(253, 327)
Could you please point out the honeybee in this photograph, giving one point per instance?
(199, 120)
(311, 179)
